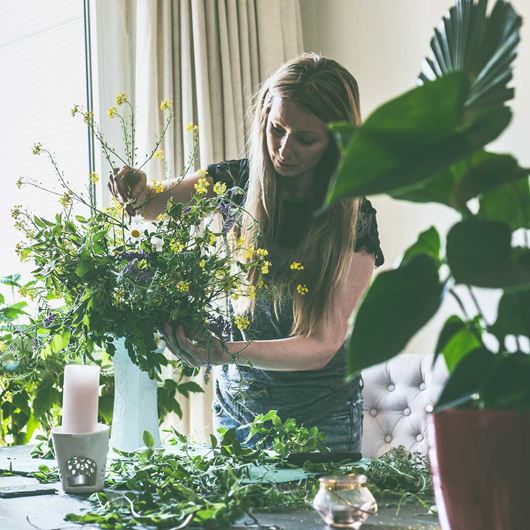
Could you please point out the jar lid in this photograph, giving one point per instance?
(342, 482)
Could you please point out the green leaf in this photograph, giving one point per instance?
(396, 306)
(412, 138)
(428, 243)
(13, 280)
(148, 439)
(458, 346)
(84, 266)
(480, 253)
(188, 387)
(508, 384)
(465, 381)
(513, 315)
(509, 204)
(60, 342)
(481, 44)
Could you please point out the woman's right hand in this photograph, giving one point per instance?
(129, 186)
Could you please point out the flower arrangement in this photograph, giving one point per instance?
(116, 276)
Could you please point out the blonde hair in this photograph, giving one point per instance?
(324, 88)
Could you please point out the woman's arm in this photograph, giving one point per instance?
(292, 353)
(145, 200)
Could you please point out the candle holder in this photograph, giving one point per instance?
(82, 458)
(344, 501)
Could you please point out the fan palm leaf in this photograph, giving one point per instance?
(480, 45)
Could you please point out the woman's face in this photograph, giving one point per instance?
(296, 139)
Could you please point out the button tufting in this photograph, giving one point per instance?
(406, 412)
(429, 408)
(373, 412)
(419, 437)
(388, 438)
(391, 387)
(422, 386)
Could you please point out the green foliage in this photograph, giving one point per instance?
(428, 146)
(201, 486)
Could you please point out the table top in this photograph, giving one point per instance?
(47, 510)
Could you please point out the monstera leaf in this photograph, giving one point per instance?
(406, 145)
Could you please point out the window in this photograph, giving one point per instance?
(42, 60)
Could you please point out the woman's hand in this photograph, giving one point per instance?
(207, 351)
(129, 186)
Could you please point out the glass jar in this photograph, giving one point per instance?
(344, 501)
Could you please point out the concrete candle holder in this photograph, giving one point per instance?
(82, 458)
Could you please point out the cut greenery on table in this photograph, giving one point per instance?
(197, 486)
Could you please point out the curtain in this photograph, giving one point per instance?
(207, 56)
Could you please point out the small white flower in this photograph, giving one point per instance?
(158, 243)
(159, 339)
(134, 233)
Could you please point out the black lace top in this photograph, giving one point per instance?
(297, 216)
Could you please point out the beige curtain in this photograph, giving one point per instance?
(207, 56)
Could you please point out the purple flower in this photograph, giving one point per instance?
(133, 255)
(228, 224)
(224, 209)
(219, 326)
(186, 210)
(48, 320)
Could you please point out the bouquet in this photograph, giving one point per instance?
(105, 274)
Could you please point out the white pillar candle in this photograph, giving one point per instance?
(80, 398)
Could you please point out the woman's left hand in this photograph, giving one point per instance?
(206, 351)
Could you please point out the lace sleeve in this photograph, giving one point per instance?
(367, 238)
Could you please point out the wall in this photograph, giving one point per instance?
(382, 42)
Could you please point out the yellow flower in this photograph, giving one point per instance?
(201, 173)
(88, 117)
(261, 284)
(249, 253)
(116, 204)
(251, 292)
(241, 322)
(191, 127)
(65, 200)
(3, 346)
(202, 264)
(37, 149)
(16, 211)
(121, 98)
(175, 246)
(183, 287)
(213, 239)
(202, 185)
(219, 188)
(296, 266)
(166, 104)
(94, 177)
(112, 112)
(159, 153)
(240, 241)
(302, 289)
(265, 267)
(74, 110)
(157, 186)
(262, 252)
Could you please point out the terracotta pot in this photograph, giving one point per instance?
(480, 464)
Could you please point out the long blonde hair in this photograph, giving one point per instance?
(324, 88)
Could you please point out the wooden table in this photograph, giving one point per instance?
(47, 511)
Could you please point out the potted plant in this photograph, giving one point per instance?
(427, 145)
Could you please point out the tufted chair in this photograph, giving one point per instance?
(398, 395)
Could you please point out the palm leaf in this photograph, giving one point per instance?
(481, 45)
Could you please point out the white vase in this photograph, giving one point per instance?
(135, 403)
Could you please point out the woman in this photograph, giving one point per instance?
(295, 362)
